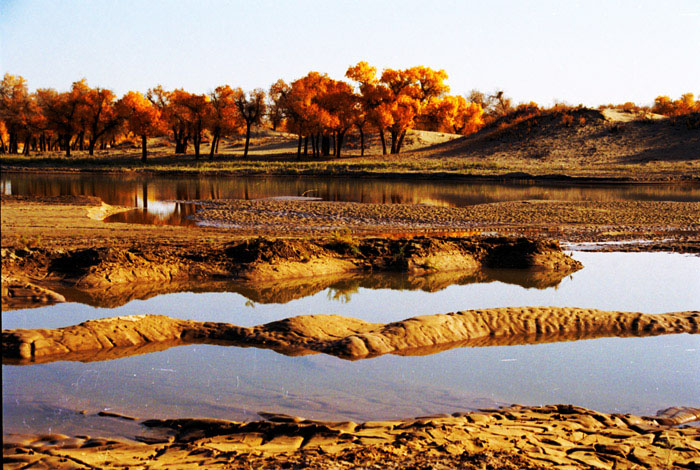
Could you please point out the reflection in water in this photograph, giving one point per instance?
(143, 192)
(340, 287)
(158, 213)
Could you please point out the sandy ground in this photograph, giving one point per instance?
(65, 222)
(559, 437)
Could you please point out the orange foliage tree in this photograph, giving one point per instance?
(62, 112)
(197, 111)
(141, 117)
(224, 117)
(453, 114)
(98, 114)
(393, 101)
(173, 113)
(668, 107)
(19, 113)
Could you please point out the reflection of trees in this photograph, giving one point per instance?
(124, 191)
(343, 294)
(339, 288)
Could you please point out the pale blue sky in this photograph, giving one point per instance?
(589, 51)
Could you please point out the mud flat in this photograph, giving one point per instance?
(344, 337)
(556, 436)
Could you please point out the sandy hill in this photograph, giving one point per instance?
(586, 135)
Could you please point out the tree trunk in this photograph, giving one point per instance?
(25, 150)
(313, 145)
(335, 144)
(306, 146)
(339, 143)
(326, 145)
(394, 139)
(299, 147)
(362, 143)
(67, 141)
(2, 145)
(400, 142)
(247, 139)
(214, 143)
(381, 137)
(91, 146)
(144, 152)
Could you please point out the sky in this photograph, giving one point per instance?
(587, 52)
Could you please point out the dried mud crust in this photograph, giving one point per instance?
(114, 271)
(344, 337)
(516, 437)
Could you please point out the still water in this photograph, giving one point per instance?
(636, 375)
(161, 198)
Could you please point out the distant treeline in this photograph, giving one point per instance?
(321, 111)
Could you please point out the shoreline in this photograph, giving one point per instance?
(509, 177)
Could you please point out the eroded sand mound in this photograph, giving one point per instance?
(113, 273)
(558, 436)
(348, 338)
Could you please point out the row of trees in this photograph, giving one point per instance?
(83, 117)
(319, 109)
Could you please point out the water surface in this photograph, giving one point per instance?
(161, 198)
(630, 375)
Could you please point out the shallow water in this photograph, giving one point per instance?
(636, 375)
(160, 198)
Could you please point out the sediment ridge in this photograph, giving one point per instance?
(344, 337)
(111, 270)
(514, 437)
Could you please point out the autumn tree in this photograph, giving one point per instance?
(453, 114)
(340, 102)
(98, 114)
(409, 91)
(19, 112)
(275, 107)
(63, 112)
(224, 118)
(668, 107)
(372, 99)
(141, 117)
(251, 107)
(197, 112)
(173, 113)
